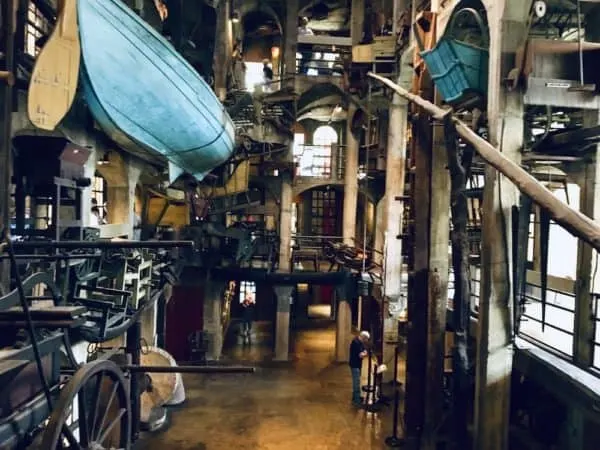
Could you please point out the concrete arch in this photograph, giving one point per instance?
(317, 91)
(257, 6)
(299, 189)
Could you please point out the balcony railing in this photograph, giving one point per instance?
(319, 161)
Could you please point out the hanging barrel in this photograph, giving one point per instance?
(458, 68)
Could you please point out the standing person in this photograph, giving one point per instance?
(357, 353)
(248, 305)
(267, 76)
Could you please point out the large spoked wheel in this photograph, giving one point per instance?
(98, 395)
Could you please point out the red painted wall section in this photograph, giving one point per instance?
(184, 316)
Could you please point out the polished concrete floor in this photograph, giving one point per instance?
(300, 405)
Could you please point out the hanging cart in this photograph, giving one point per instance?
(458, 64)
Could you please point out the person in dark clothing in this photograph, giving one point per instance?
(248, 305)
(357, 353)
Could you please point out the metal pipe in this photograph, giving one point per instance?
(102, 244)
(189, 369)
(52, 257)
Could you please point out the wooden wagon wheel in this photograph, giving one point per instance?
(100, 392)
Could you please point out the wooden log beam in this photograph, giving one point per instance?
(458, 166)
(576, 223)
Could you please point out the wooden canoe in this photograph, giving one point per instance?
(143, 94)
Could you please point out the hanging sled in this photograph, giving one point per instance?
(459, 68)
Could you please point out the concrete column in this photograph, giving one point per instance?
(86, 195)
(282, 322)
(350, 182)
(213, 292)
(357, 17)
(506, 19)
(148, 323)
(291, 41)
(380, 230)
(343, 331)
(223, 49)
(285, 223)
(121, 198)
(392, 212)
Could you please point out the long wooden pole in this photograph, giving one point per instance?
(576, 223)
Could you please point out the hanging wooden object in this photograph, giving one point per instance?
(164, 385)
(55, 74)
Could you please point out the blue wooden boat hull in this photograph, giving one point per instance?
(144, 95)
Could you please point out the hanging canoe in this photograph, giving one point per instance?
(459, 65)
(143, 94)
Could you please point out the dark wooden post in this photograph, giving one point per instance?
(458, 166)
(6, 98)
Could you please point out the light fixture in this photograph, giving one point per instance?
(338, 109)
(275, 52)
(235, 16)
(104, 161)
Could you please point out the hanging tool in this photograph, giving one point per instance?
(581, 87)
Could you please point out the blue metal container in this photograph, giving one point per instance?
(459, 68)
(145, 96)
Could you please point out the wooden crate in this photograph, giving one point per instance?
(382, 47)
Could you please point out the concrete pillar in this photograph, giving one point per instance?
(392, 213)
(380, 230)
(507, 25)
(148, 323)
(343, 331)
(357, 17)
(291, 41)
(223, 49)
(350, 182)
(86, 195)
(282, 322)
(121, 177)
(213, 292)
(285, 222)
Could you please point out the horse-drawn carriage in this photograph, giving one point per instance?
(50, 399)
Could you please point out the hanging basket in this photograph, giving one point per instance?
(458, 68)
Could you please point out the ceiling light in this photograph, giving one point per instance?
(235, 16)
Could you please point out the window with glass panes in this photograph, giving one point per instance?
(323, 217)
(99, 193)
(35, 27)
(247, 288)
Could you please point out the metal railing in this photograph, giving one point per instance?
(319, 161)
(596, 332)
(551, 324)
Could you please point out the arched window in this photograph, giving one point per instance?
(316, 158)
(325, 135)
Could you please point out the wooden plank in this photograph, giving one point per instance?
(44, 312)
(321, 39)
(570, 219)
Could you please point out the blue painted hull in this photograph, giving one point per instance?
(143, 94)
